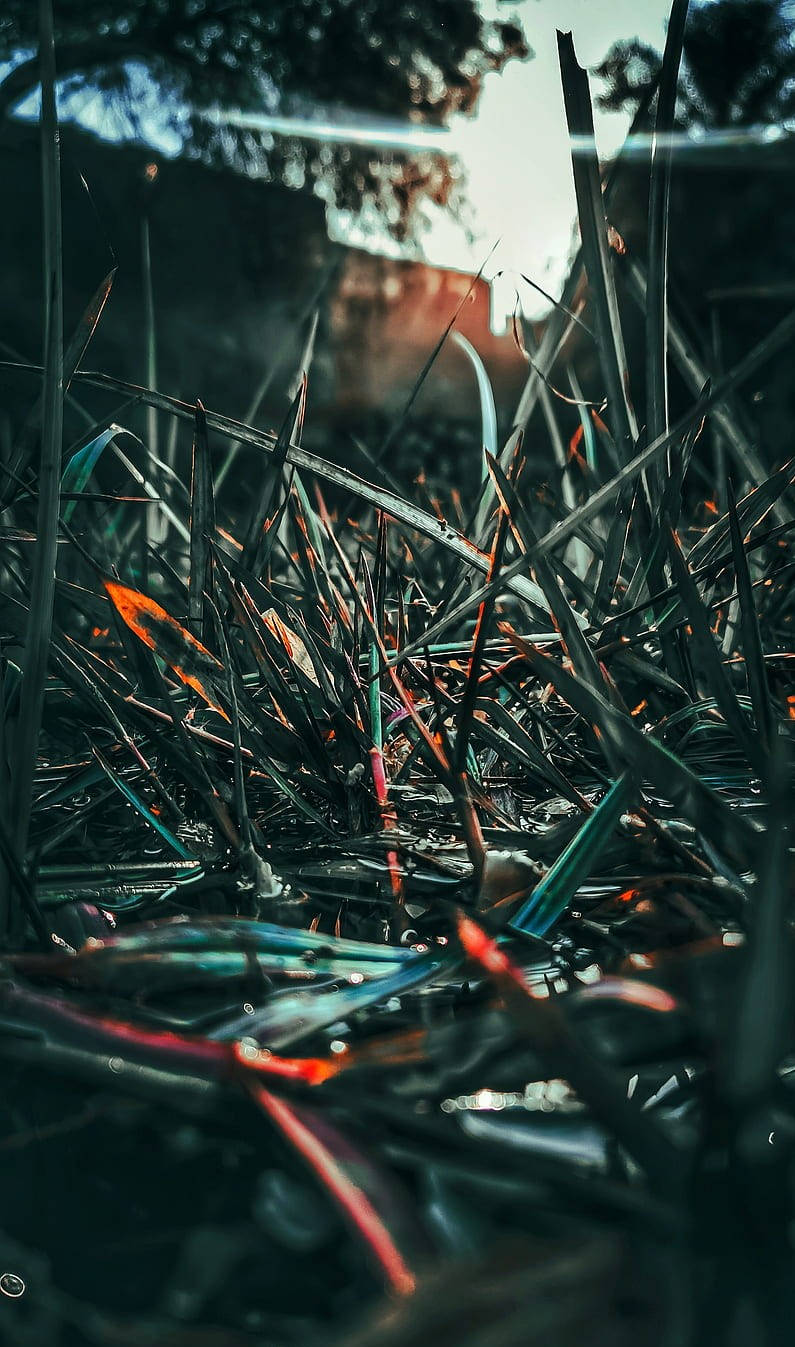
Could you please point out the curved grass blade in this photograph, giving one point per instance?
(488, 419)
(488, 411)
(80, 467)
(349, 1177)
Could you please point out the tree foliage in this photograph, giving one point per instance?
(422, 61)
(738, 67)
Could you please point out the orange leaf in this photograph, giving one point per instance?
(177, 647)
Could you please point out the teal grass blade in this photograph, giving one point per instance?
(553, 894)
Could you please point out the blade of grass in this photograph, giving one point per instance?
(42, 589)
(596, 251)
(752, 642)
(73, 354)
(601, 498)
(265, 518)
(488, 418)
(708, 656)
(141, 807)
(202, 524)
(704, 808)
(659, 194)
(543, 1021)
(764, 1009)
(552, 895)
(188, 658)
(80, 467)
(348, 1178)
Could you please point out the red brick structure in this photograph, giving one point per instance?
(386, 316)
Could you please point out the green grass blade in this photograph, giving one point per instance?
(80, 467)
(141, 808)
(552, 895)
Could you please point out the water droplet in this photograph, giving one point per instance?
(12, 1285)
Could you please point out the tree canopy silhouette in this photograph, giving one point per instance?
(419, 62)
(738, 66)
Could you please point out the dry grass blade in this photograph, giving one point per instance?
(159, 631)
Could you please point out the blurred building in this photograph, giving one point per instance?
(237, 267)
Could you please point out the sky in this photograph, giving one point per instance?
(516, 153)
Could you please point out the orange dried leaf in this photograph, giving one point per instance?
(177, 647)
